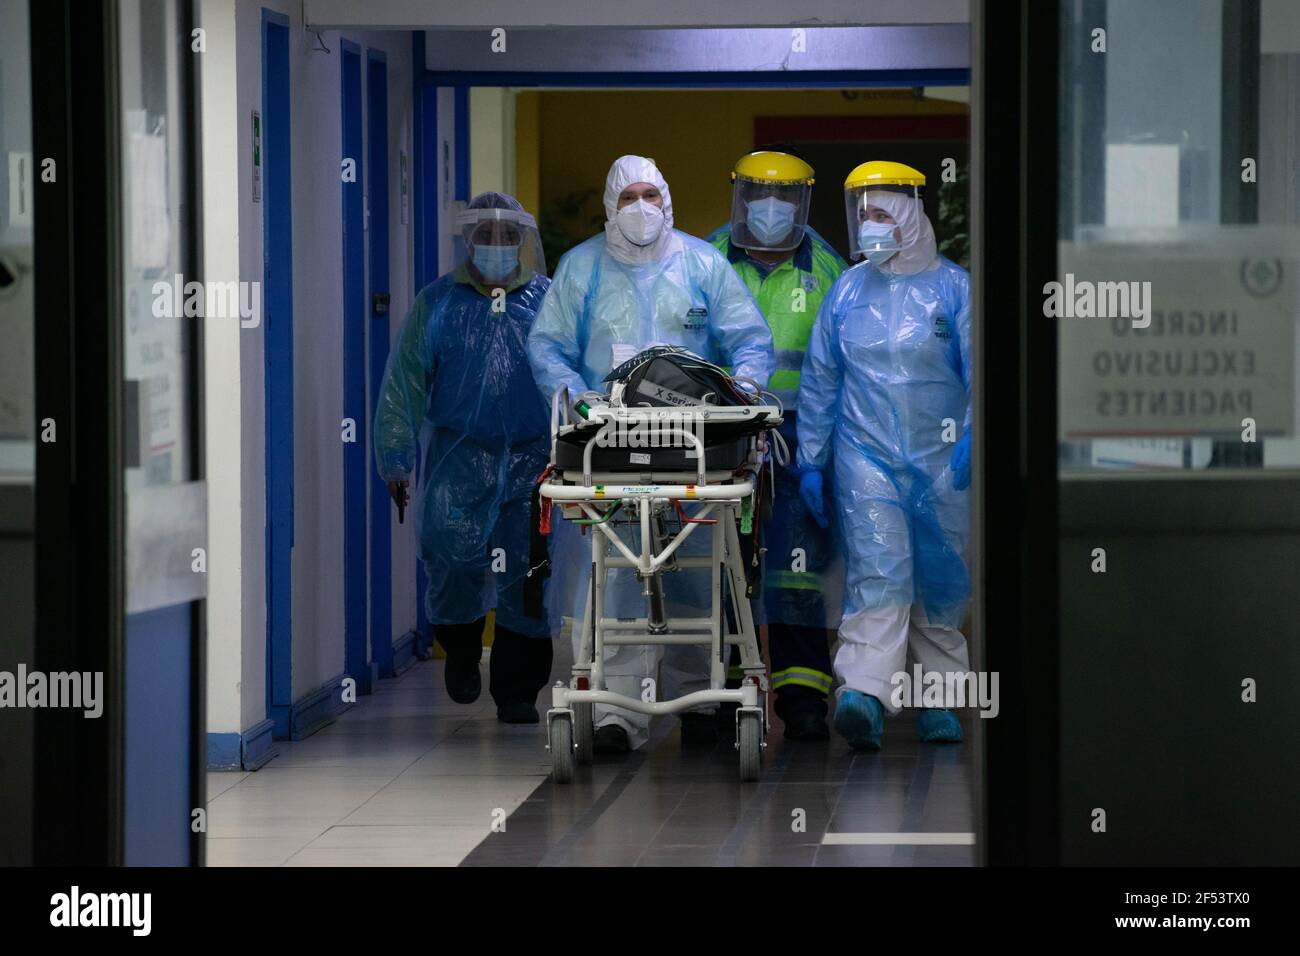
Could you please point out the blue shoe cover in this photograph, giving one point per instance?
(936, 725)
(859, 719)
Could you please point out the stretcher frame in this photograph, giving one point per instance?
(720, 496)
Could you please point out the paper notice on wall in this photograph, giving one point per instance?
(1142, 184)
(20, 190)
(404, 185)
(1137, 452)
(1214, 353)
(148, 221)
(257, 156)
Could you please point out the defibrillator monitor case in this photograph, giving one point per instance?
(672, 376)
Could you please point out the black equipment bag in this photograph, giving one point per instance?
(668, 375)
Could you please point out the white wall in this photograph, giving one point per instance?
(223, 381)
(446, 175)
(492, 139)
(233, 240)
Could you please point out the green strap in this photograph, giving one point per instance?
(793, 580)
(804, 677)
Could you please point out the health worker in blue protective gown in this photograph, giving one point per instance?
(637, 284)
(885, 411)
(458, 388)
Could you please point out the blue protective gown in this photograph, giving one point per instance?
(598, 312)
(888, 363)
(599, 308)
(459, 379)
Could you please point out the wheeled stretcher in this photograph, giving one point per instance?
(698, 473)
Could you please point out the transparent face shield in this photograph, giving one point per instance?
(770, 217)
(498, 245)
(872, 236)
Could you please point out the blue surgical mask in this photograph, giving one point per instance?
(876, 241)
(495, 262)
(770, 219)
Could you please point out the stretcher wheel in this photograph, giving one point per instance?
(562, 747)
(750, 744)
(583, 733)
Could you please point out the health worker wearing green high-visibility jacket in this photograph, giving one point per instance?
(787, 268)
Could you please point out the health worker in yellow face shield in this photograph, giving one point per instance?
(884, 403)
(788, 269)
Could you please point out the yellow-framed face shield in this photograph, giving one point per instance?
(871, 234)
(770, 196)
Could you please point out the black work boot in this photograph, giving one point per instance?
(463, 644)
(611, 739)
(518, 712)
(803, 711)
(518, 668)
(807, 726)
(698, 730)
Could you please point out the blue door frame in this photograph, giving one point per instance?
(277, 279)
(355, 457)
(424, 201)
(381, 557)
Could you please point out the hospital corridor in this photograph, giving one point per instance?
(404, 781)
(511, 435)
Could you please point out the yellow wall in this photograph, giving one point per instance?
(528, 150)
(695, 136)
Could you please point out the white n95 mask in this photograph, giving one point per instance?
(641, 222)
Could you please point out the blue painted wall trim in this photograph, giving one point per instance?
(424, 195)
(318, 709)
(405, 652)
(251, 750)
(381, 564)
(461, 140)
(417, 154)
(356, 457)
(225, 752)
(277, 332)
(258, 745)
(424, 177)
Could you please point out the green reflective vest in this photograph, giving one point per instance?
(788, 297)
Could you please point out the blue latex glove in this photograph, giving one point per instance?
(810, 490)
(960, 463)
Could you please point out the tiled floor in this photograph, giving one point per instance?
(407, 778)
(678, 807)
(403, 778)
